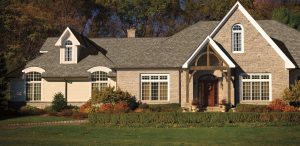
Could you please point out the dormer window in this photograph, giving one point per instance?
(237, 38)
(68, 50)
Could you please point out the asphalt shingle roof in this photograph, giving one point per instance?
(161, 52)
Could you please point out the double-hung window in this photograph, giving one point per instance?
(237, 38)
(33, 86)
(155, 87)
(256, 87)
(68, 50)
(99, 80)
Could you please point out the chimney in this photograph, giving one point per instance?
(131, 33)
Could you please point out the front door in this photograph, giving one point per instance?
(209, 92)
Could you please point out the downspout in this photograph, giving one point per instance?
(179, 73)
(66, 90)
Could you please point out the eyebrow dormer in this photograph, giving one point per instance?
(69, 46)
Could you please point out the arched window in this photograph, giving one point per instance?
(99, 80)
(33, 86)
(237, 38)
(68, 50)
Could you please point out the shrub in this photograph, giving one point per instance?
(251, 108)
(79, 115)
(85, 108)
(277, 105)
(107, 107)
(292, 94)
(121, 107)
(112, 96)
(49, 110)
(289, 108)
(176, 119)
(173, 107)
(59, 102)
(144, 106)
(31, 110)
(66, 112)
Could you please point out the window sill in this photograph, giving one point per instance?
(256, 102)
(156, 102)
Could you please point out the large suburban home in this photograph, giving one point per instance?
(235, 60)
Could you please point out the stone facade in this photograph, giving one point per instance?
(129, 80)
(258, 56)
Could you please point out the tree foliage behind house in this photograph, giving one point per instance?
(25, 24)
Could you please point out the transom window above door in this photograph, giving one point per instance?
(155, 87)
(237, 38)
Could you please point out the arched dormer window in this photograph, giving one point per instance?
(99, 80)
(237, 38)
(33, 86)
(68, 50)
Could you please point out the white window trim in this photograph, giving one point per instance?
(99, 82)
(32, 82)
(288, 63)
(260, 80)
(242, 38)
(110, 82)
(65, 50)
(141, 81)
(33, 69)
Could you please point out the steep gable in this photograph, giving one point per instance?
(238, 14)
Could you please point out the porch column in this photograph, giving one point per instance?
(187, 85)
(229, 84)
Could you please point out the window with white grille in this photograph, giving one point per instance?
(68, 50)
(155, 87)
(33, 86)
(99, 80)
(256, 87)
(237, 38)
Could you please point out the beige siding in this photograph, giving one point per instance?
(49, 88)
(79, 91)
(129, 80)
(258, 56)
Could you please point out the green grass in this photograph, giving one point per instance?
(31, 119)
(90, 135)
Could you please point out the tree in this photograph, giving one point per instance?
(3, 84)
(281, 14)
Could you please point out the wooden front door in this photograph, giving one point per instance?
(209, 92)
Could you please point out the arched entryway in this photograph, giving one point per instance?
(208, 90)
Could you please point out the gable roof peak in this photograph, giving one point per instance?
(71, 34)
(238, 6)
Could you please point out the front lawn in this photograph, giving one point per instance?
(90, 135)
(31, 119)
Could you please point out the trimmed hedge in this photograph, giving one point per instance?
(177, 119)
(251, 108)
(172, 107)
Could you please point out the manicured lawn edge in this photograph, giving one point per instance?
(193, 119)
(32, 119)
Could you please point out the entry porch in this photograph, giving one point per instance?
(208, 79)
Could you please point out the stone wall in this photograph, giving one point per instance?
(258, 56)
